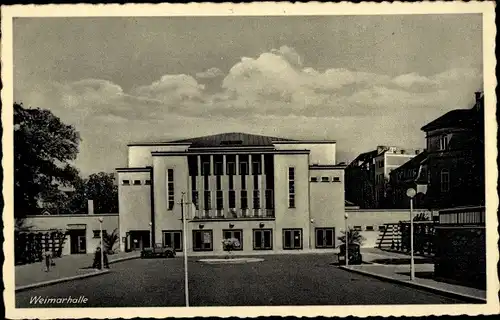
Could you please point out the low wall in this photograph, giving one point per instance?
(368, 221)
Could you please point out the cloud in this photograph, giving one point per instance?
(210, 73)
(273, 83)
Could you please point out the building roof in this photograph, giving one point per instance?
(231, 139)
(365, 157)
(461, 118)
(413, 163)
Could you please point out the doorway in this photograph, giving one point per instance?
(139, 239)
(78, 241)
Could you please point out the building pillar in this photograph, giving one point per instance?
(250, 186)
(200, 188)
(262, 187)
(225, 186)
(237, 187)
(212, 187)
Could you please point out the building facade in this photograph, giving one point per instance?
(367, 177)
(271, 194)
(455, 161)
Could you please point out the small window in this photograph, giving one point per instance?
(97, 233)
(219, 169)
(314, 179)
(262, 239)
(126, 182)
(137, 182)
(243, 168)
(147, 182)
(357, 228)
(336, 179)
(202, 240)
(256, 168)
(381, 228)
(369, 228)
(325, 238)
(325, 179)
(234, 234)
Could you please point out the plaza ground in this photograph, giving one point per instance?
(306, 279)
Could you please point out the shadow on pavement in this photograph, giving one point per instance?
(398, 261)
(430, 275)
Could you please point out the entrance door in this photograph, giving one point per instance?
(139, 239)
(78, 241)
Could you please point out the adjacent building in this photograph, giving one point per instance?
(412, 174)
(367, 177)
(271, 194)
(455, 161)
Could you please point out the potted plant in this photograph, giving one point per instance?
(229, 245)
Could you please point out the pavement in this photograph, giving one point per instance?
(67, 268)
(279, 280)
(395, 267)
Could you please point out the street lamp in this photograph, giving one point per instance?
(346, 216)
(411, 194)
(102, 249)
(151, 234)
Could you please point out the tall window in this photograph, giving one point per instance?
(262, 239)
(292, 238)
(256, 199)
(324, 238)
(269, 199)
(291, 187)
(219, 169)
(232, 199)
(244, 199)
(243, 168)
(443, 142)
(207, 200)
(445, 180)
(231, 182)
(231, 168)
(234, 234)
(202, 240)
(173, 239)
(205, 169)
(220, 200)
(194, 198)
(171, 197)
(256, 168)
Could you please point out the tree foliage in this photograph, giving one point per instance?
(101, 188)
(43, 150)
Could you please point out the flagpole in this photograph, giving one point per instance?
(184, 231)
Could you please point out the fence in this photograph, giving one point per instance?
(30, 245)
(396, 236)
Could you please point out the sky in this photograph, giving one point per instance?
(360, 80)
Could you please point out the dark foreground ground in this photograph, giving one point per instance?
(279, 280)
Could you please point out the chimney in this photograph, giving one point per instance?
(90, 206)
(478, 96)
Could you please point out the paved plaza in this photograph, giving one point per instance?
(308, 279)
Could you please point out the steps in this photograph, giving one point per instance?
(389, 237)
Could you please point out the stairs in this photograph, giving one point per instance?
(389, 237)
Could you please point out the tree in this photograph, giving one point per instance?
(354, 237)
(101, 188)
(43, 148)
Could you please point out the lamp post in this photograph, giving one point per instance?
(102, 249)
(151, 235)
(411, 194)
(346, 216)
(184, 247)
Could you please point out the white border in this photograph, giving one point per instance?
(256, 9)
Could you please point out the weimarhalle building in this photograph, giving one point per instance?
(272, 194)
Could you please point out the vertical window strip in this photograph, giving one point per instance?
(291, 187)
(171, 191)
